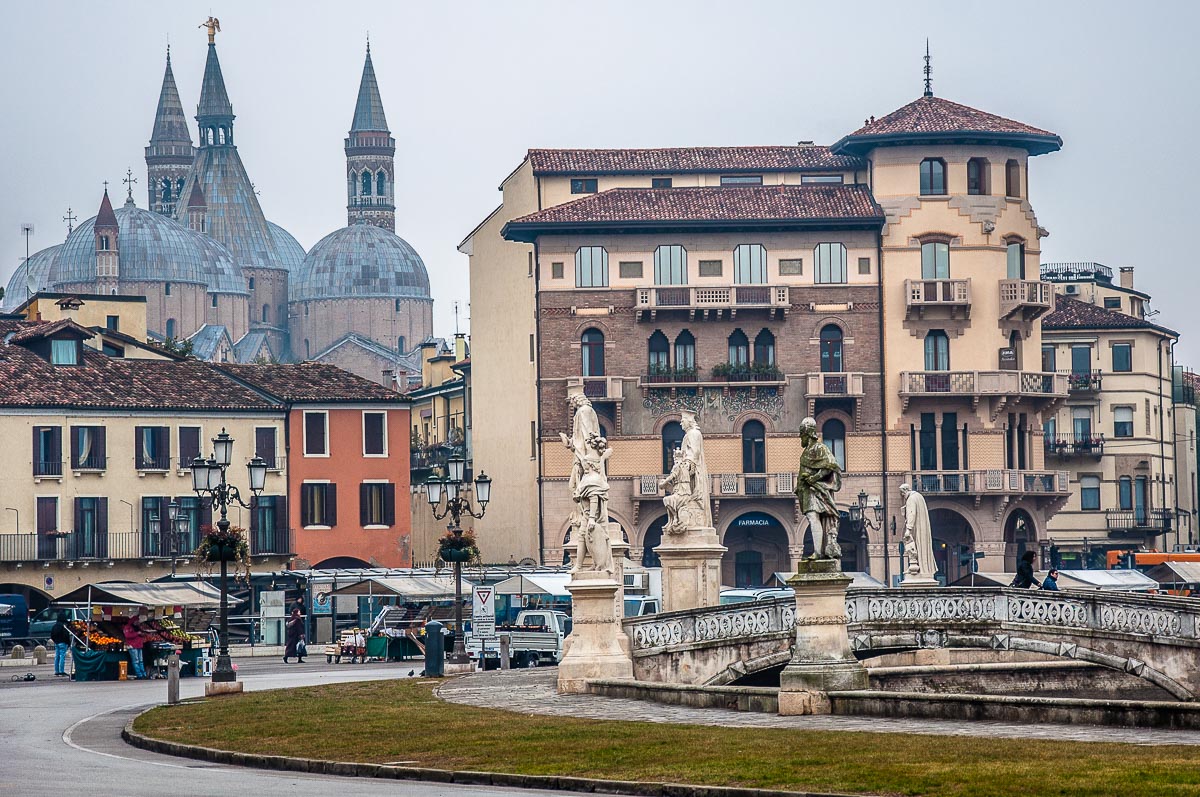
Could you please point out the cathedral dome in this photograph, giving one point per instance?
(30, 277)
(361, 261)
(290, 252)
(152, 248)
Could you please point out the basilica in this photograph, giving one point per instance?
(221, 278)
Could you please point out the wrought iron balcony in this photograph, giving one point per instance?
(1027, 298)
(86, 547)
(155, 463)
(90, 463)
(1069, 444)
(1139, 521)
(834, 385)
(976, 385)
(712, 301)
(1082, 381)
(921, 295)
(991, 482)
(48, 468)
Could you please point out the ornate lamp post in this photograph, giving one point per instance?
(208, 481)
(864, 523)
(457, 504)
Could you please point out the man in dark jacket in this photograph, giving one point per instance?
(1050, 582)
(60, 635)
(1024, 578)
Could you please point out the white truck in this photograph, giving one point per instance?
(537, 639)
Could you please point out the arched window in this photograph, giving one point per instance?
(221, 135)
(1012, 179)
(937, 350)
(754, 447)
(166, 289)
(977, 176)
(672, 438)
(935, 261)
(251, 283)
(266, 315)
(179, 188)
(685, 351)
(660, 354)
(366, 183)
(381, 183)
(170, 327)
(1016, 260)
(592, 343)
(400, 347)
(750, 264)
(166, 189)
(933, 177)
(591, 267)
(764, 348)
(833, 435)
(831, 263)
(103, 243)
(353, 187)
(651, 541)
(739, 349)
(831, 349)
(670, 265)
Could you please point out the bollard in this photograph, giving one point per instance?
(173, 678)
(17, 652)
(435, 649)
(505, 650)
(39, 655)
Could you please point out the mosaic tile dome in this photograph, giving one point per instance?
(30, 277)
(288, 248)
(361, 261)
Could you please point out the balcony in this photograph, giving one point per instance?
(921, 295)
(156, 464)
(598, 388)
(1028, 299)
(975, 385)
(991, 482)
(1083, 381)
(718, 377)
(423, 463)
(47, 469)
(271, 542)
(89, 464)
(1152, 521)
(714, 301)
(728, 485)
(78, 547)
(834, 385)
(1070, 445)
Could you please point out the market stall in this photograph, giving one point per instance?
(405, 603)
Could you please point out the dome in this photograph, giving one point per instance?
(153, 248)
(30, 277)
(290, 252)
(361, 261)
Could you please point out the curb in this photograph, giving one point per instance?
(463, 777)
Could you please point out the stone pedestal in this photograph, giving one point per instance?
(910, 580)
(691, 569)
(214, 688)
(455, 668)
(822, 661)
(597, 646)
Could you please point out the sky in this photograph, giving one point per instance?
(470, 86)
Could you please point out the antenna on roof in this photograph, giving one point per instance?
(928, 71)
(456, 318)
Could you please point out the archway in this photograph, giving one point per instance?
(652, 540)
(758, 548)
(35, 599)
(1020, 535)
(952, 537)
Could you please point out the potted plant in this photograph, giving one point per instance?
(223, 546)
(721, 372)
(458, 547)
(685, 374)
(659, 373)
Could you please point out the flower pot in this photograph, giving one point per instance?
(455, 554)
(221, 553)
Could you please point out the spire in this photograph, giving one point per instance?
(106, 217)
(928, 72)
(170, 124)
(196, 200)
(368, 111)
(214, 104)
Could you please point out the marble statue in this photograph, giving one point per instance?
(818, 479)
(688, 505)
(918, 536)
(589, 487)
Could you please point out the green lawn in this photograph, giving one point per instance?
(389, 721)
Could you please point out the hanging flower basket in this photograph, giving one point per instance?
(460, 547)
(456, 554)
(219, 552)
(223, 546)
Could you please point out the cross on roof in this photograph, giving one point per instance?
(129, 181)
(70, 219)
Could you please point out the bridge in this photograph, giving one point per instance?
(1156, 638)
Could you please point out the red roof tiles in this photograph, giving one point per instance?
(309, 382)
(684, 160)
(1073, 314)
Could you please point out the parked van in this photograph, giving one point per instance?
(729, 597)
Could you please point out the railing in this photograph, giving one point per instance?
(982, 482)
(1032, 296)
(1079, 381)
(1069, 444)
(92, 463)
(1152, 520)
(982, 383)
(274, 541)
(835, 384)
(77, 546)
(1075, 272)
(954, 293)
(153, 463)
(48, 467)
(685, 297)
(727, 485)
(603, 388)
(690, 378)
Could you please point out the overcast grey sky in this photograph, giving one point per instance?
(469, 86)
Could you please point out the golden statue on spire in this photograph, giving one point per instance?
(214, 27)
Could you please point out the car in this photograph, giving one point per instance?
(730, 597)
(43, 621)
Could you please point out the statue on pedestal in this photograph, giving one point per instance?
(918, 537)
(688, 504)
(589, 487)
(818, 479)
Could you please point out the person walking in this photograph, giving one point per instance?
(1024, 578)
(136, 641)
(295, 635)
(1050, 582)
(60, 635)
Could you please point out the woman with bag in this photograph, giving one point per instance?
(295, 638)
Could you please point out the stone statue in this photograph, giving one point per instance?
(819, 478)
(688, 505)
(918, 537)
(589, 486)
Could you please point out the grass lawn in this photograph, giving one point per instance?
(389, 721)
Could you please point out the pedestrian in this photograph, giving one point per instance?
(136, 641)
(1050, 582)
(1024, 578)
(295, 636)
(60, 635)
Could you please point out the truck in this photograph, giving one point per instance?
(537, 639)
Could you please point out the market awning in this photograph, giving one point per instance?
(1108, 580)
(192, 593)
(985, 579)
(1175, 573)
(552, 584)
(413, 588)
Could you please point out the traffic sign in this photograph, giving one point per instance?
(483, 612)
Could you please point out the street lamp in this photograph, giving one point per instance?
(860, 519)
(457, 503)
(208, 482)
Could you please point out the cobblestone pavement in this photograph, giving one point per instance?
(533, 692)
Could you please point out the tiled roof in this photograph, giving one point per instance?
(101, 382)
(35, 331)
(214, 100)
(170, 122)
(1073, 314)
(106, 217)
(309, 382)
(368, 111)
(682, 160)
(206, 341)
(778, 204)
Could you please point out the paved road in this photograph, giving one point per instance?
(60, 738)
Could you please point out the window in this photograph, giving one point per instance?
(750, 264)
(1089, 492)
(592, 344)
(153, 447)
(170, 327)
(377, 504)
(764, 348)
(685, 351)
(154, 513)
(46, 510)
(401, 344)
(933, 176)
(87, 448)
(1016, 261)
(583, 186)
(167, 289)
(1012, 179)
(864, 265)
(660, 182)
(660, 353)
(214, 300)
(189, 445)
(672, 438)
(375, 443)
(252, 283)
(977, 176)
(381, 184)
(754, 447)
(64, 352)
(1049, 358)
(631, 270)
(831, 349)
(1122, 357)
(104, 244)
(739, 348)
(927, 441)
(591, 267)
(670, 265)
(47, 451)
(264, 445)
(556, 271)
(366, 183)
(937, 351)
(1125, 493)
(532, 348)
(266, 314)
(1081, 359)
(1112, 302)
(935, 261)
(316, 434)
(1081, 423)
(741, 179)
(833, 435)
(950, 441)
(712, 268)
(822, 179)
(1123, 422)
(318, 504)
(268, 519)
(831, 263)
(792, 267)
(113, 322)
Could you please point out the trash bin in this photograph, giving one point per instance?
(435, 649)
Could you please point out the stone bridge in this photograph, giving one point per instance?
(1156, 638)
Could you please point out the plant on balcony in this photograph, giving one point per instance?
(57, 533)
(1080, 380)
(659, 373)
(458, 547)
(722, 371)
(766, 371)
(229, 546)
(685, 374)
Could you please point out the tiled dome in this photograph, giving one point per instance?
(288, 248)
(153, 248)
(29, 278)
(360, 261)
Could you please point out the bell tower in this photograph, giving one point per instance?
(108, 255)
(170, 153)
(370, 158)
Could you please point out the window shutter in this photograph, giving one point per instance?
(264, 444)
(56, 444)
(99, 445)
(389, 504)
(206, 515)
(330, 505)
(139, 455)
(314, 433)
(78, 516)
(189, 445)
(37, 450)
(102, 527)
(306, 518)
(164, 446)
(74, 432)
(47, 514)
(281, 523)
(364, 499)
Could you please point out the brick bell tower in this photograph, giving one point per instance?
(370, 158)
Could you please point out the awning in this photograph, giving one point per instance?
(552, 584)
(1108, 580)
(415, 589)
(985, 579)
(191, 593)
(1175, 573)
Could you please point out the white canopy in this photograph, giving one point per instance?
(415, 589)
(1108, 580)
(1175, 573)
(552, 584)
(187, 593)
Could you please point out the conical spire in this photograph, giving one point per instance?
(106, 217)
(170, 124)
(214, 100)
(368, 111)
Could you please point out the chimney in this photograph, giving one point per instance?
(460, 346)
(1127, 277)
(389, 378)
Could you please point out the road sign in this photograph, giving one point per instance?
(483, 612)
